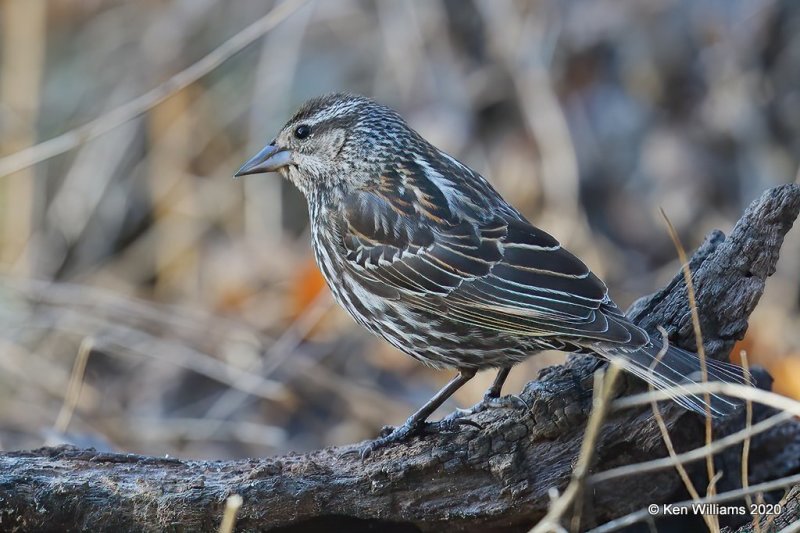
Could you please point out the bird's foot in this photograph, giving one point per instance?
(455, 421)
(510, 401)
(490, 401)
(459, 417)
(392, 435)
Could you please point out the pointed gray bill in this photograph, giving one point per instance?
(270, 159)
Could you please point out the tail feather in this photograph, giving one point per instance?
(676, 368)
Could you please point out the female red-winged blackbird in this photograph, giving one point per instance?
(421, 250)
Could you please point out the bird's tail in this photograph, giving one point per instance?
(676, 368)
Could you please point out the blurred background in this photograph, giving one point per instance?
(150, 303)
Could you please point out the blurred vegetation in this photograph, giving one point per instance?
(193, 300)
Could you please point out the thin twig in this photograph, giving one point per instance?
(691, 455)
(232, 506)
(662, 426)
(601, 400)
(732, 495)
(711, 488)
(712, 387)
(746, 445)
(701, 352)
(75, 385)
(132, 109)
(781, 503)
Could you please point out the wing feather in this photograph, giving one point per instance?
(499, 273)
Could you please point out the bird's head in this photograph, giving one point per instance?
(334, 142)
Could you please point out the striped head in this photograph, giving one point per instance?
(333, 143)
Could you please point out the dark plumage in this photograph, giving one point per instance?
(421, 250)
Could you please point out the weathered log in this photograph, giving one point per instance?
(495, 478)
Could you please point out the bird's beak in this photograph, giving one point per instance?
(270, 159)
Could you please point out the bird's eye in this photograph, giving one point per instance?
(302, 131)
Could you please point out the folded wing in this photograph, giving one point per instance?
(499, 273)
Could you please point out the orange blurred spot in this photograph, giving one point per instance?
(748, 345)
(763, 351)
(786, 372)
(306, 285)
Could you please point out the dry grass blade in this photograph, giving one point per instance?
(713, 387)
(662, 426)
(746, 445)
(232, 506)
(782, 504)
(691, 455)
(116, 117)
(75, 385)
(644, 514)
(23, 36)
(603, 390)
(701, 353)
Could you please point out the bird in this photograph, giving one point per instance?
(422, 251)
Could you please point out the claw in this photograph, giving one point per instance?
(366, 451)
(512, 401)
(394, 435)
(449, 424)
(390, 435)
(519, 401)
(352, 451)
(509, 402)
(468, 422)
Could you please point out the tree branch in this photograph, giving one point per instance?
(496, 478)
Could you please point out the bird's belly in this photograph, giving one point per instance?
(434, 339)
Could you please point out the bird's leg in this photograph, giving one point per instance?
(417, 421)
(491, 398)
(497, 384)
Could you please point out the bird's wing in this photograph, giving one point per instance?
(502, 273)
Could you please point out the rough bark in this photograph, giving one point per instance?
(495, 478)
